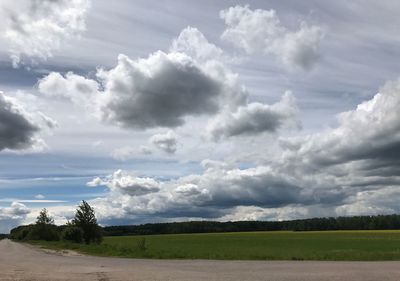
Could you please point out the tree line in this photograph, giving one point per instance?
(85, 229)
(381, 222)
(82, 229)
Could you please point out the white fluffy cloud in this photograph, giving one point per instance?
(12, 216)
(124, 183)
(165, 89)
(260, 31)
(193, 43)
(19, 129)
(167, 142)
(255, 118)
(159, 91)
(35, 28)
(16, 211)
(78, 89)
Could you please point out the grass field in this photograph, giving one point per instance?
(327, 245)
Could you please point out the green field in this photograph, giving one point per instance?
(326, 245)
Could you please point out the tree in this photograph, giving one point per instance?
(44, 217)
(85, 218)
(44, 229)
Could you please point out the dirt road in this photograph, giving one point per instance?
(21, 262)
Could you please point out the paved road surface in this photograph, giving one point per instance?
(21, 262)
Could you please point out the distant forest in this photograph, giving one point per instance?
(381, 222)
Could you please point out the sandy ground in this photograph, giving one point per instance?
(22, 262)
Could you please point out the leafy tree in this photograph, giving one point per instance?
(44, 217)
(44, 229)
(85, 218)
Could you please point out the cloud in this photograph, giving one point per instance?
(17, 210)
(80, 90)
(167, 142)
(359, 156)
(193, 43)
(166, 88)
(124, 183)
(18, 129)
(161, 90)
(260, 31)
(255, 118)
(40, 196)
(367, 137)
(128, 152)
(34, 29)
(349, 169)
(12, 216)
(211, 194)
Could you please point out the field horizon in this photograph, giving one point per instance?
(349, 245)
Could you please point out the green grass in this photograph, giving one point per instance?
(326, 245)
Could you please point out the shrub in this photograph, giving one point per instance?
(47, 232)
(20, 232)
(73, 234)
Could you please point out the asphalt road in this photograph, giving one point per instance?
(22, 262)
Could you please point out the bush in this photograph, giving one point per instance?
(47, 232)
(20, 232)
(73, 234)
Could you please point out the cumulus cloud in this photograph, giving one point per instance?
(212, 194)
(167, 142)
(158, 91)
(367, 134)
(359, 156)
(255, 118)
(261, 31)
(161, 91)
(346, 170)
(193, 43)
(12, 216)
(76, 88)
(124, 183)
(34, 29)
(166, 88)
(18, 128)
(17, 210)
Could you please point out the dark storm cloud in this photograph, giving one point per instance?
(16, 130)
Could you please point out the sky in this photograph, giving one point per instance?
(157, 111)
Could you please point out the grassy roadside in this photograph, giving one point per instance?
(281, 245)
